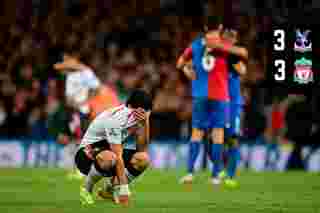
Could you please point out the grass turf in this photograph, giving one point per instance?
(49, 191)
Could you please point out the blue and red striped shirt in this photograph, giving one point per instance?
(211, 71)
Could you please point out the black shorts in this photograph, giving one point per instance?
(84, 163)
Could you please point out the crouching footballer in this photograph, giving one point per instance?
(105, 150)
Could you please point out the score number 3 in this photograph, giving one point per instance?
(280, 43)
(280, 64)
(281, 70)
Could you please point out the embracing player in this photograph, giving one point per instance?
(104, 151)
(236, 56)
(237, 68)
(81, 81)
(210, 95)
(195, 67)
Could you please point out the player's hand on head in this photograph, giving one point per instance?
(140, 114)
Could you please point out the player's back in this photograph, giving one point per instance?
(234, 81)
(104, 100)
(218, 88)
(200, 84)
(120, 117)
(79, 83)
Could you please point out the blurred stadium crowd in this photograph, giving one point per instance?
(128, 44)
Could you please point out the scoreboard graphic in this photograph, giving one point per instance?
(293, 65)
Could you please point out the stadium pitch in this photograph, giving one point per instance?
(49, 191)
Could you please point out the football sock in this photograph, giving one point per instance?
(216, 156)
(93, 177)
(233, 161)
(194, 149)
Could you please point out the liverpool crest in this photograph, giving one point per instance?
(303, 71)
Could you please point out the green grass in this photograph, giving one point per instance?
(49, 191)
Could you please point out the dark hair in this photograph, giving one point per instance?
(212, 22)
(71, 52)
(232, 23)
(78, 54)
(140, 99)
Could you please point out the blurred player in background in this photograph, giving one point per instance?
(210, 109)
(196, 67)
(85, 94)
(219, 92)
(104, 151)
(237, 68)
(84, 91)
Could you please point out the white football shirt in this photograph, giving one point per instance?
(79, 83)
(112, 126)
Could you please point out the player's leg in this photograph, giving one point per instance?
(232, 136)
(227, 135)
(136, 163)
(233, 161)
(217, 136)
(84, 164)
(109, 190)
(74, 174)
(233, 133)
(102, 167)
(140, 162)
(194, 150)
(75, 129)
(199, 118)
(217, 119)
(233, 156)
(273, 151)
(94, 166)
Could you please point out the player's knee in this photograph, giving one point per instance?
(106, 160)
(197, 134)
(140, 161)
(217, 135)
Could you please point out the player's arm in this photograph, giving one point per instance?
(70, 64)
(184, 58)
(121, 177)
(188, 71)
(184, 63)
(229, 48)
(92, 82)
(114, 137)
(143, 137)
(120, 168)
(236, 50)
(240, 67)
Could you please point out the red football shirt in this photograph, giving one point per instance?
(218, 78)
(277, 120)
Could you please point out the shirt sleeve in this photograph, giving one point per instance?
(68, 90)
(187, 53)
(233, 62)
(72, 87)
(91, 79)
(114, 135)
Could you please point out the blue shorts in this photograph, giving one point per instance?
(208, 114)
(232, 127)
